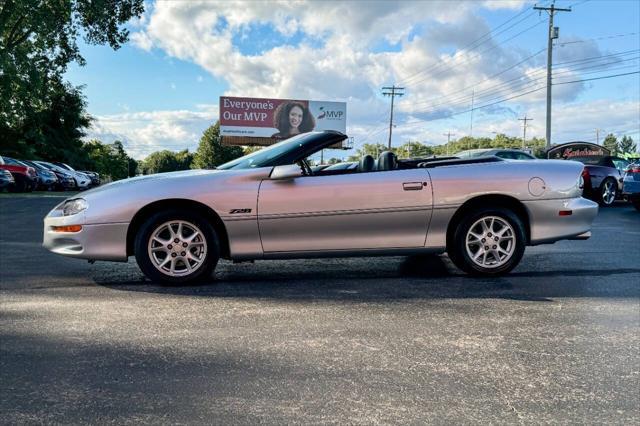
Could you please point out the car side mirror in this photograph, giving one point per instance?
(289, 171)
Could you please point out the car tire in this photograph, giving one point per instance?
(163, 260)
(488, 242)
(607, 192)
(636, 203)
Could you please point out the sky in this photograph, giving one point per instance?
(161, 90)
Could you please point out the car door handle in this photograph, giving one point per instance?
(413, 186)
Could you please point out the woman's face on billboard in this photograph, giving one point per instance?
(295, 117)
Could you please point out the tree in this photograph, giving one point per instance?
(160, 162)
(611, 143)
(211, 152)
(627, 146)
(37, 42)
(250, 149)
(109, 160)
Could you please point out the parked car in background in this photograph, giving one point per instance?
(507, 154)
(82, 180)
(346, 165)
(603, 177)
(47, 180)
(72, 170)
(66, 179)
(94, 176)
(631, 184)
(6, 179)
(25, 176)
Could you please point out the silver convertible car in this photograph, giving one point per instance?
(271, 205)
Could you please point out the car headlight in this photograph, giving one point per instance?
(75, 206)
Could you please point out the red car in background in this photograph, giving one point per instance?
(25, 177)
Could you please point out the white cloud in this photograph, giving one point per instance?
(505, 4)
(335, 59)
(142, 40)
(145, 132)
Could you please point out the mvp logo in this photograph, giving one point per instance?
(255, 116)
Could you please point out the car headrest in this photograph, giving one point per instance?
(367, 163)
(387, 161)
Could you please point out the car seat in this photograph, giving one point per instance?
(387, 161)
(367, 163)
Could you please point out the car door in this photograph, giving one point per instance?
(356, 211)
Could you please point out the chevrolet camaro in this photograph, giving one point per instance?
(271, 205)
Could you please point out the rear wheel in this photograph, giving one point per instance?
(608, 192)
(177, 247)
(488, 242)
(636, 202)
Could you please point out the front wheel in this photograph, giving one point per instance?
(176, 247)
(488, 242)
(608, 192)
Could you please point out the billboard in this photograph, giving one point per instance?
(576, 149)
(257, 121)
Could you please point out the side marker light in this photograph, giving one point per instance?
(68, 228)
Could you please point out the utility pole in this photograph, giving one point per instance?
(553, 34)
(448, 135)
(598, 136)
(524, 129)
(395, 91)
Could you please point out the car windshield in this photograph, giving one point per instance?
(470, 153)
(266, 156)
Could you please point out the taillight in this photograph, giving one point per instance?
(634, 169)
(584, 178)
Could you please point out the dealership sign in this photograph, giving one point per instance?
(571, 150)
(278, 119)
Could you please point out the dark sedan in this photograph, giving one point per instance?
(505, 153)
(603, 177)
(47, 180)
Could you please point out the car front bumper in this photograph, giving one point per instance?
(103, 241)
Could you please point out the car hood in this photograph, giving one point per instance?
(120, 200)
(142, 180)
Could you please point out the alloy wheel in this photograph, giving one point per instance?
(177, 248)
(608, 192)
(490, 242)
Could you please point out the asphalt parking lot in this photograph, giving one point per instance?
(363, 340)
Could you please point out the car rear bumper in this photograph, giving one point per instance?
(105, 241)
(562, 219)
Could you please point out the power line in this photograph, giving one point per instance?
(507, 84)
(561, 44)
(521, 95)
(597, 78)
(468, 59)
(499, 88)
(473, 45)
